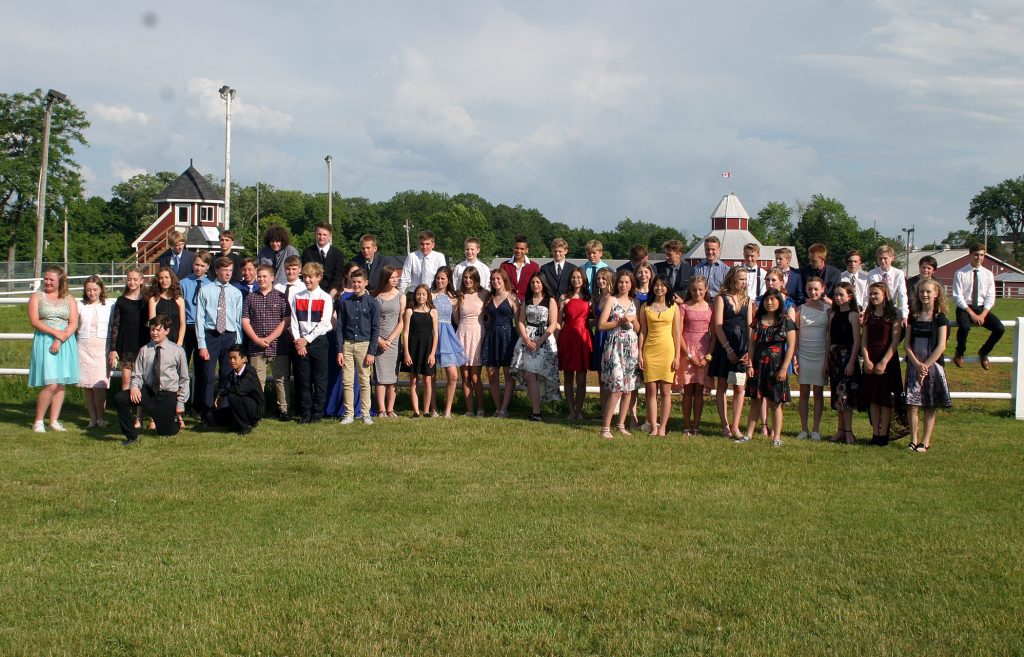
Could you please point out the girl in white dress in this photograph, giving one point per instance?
(811, 351)
(93, 331)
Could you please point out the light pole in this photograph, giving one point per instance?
(51, 96)
(227, 93)
(330, 189)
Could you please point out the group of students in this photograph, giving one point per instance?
(669, 326)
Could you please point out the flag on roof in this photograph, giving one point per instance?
(727, 174)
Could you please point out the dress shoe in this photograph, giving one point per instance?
(958, 360)
(130, 440)
(245, 431)
(985, 363)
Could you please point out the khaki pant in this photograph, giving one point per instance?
(353, 356)
(279, 368)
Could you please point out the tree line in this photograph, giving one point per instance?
(102, 229)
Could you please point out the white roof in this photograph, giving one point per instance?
(733, 242)
(730, 208)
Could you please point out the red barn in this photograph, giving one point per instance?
(950, 260)
(189, 205)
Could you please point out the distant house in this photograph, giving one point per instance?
(950, 260)
(190, 205)
(730, 224)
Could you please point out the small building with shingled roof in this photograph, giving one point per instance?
(730, 223)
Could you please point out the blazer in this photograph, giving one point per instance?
(334, 265)
(795, 287)
(184, 265)
(528, 270)
(682, 279)
(558, 285)
(236, 271)
(372, 271)
(247, 385)
(831, 276)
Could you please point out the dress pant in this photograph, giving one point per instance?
(353, 354)
(161, 406)
(964, 326)
(237, 412)
(191, 346)
(311, 379)
(217, 344)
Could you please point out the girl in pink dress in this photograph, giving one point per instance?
(696, 345)
(467, 315)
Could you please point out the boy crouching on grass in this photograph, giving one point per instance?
(239, 403)
(159, 384)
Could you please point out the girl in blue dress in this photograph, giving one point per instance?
(450, 355)
(499, 339)
(54, 360)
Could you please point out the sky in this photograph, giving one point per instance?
(588, 111)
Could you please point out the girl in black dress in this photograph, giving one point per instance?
(843, 365)
(733, 315)
(421, 337)
(773, 338)
(128, 330)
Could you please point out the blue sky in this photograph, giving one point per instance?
(588, 111)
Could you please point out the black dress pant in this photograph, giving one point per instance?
(311, 379)
(238, 412)
(964, 325)
(161, 406)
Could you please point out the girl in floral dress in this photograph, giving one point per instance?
(621, 355)
(696, 344)
(574, 343)
(603, 282)
(773, 338)
(926, 376)
(535, 358)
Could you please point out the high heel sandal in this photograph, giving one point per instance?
(622, 429)
(606, 432)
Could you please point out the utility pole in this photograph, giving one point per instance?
(330, 189)
(51, 97)
(909, 232)
(227, 93)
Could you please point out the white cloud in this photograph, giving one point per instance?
(205, 102)
(119, 114)
(124, 171)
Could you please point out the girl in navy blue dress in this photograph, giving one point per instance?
(499, 339)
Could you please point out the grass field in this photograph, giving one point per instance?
(503, 537)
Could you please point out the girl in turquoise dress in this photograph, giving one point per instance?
(54, 360)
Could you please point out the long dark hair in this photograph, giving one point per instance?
(545, 294)
(669, 301)
(384, 278)
(780, 312)
(844, 285)
(450, 288)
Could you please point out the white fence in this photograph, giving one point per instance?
(1015, 396)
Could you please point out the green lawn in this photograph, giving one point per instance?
(504, 537)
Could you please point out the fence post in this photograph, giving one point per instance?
(1017, 387)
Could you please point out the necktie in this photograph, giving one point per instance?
(558, 271)
(288, 291)
(323, 256)
(155, 375)
(222, 310)
(885, 278)
(974, 294)
(174, 263)
(672, 278)
(195, 293)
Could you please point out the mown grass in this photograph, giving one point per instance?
(491, 537)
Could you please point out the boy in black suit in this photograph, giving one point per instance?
(555, 274)
(328, 256)
(239, 403)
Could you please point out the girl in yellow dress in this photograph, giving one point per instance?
(659, 353)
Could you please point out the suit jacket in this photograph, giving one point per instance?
(333, 265)
(557, 286)
(830, 276)
(184, 265)
(682, 279)
(236, 271)
(248, 385)
(525, 275)
(372, 270)
(795, 287)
